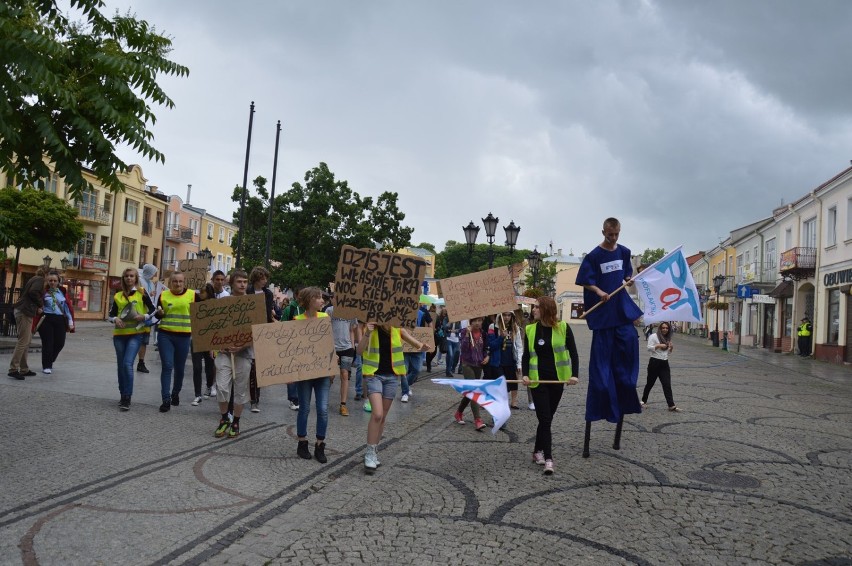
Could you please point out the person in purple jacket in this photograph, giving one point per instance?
(614, 355)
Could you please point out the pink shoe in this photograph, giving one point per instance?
(538, 457)
(459, 418)
(548, 468)
(478, 424)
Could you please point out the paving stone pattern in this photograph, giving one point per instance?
(757, 469)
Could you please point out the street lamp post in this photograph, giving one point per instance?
(718, 281)
(534, 260)
(47, 261)
(491, 222)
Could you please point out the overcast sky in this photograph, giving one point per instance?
(683, 119)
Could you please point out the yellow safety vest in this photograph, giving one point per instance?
(177, 315)
(304, 316)
(803, 330)
(121, 302)
(560, 353)
(370, 359)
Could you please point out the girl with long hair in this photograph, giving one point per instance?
(660, 346)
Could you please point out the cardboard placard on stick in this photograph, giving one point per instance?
(226, 322)
(479, 294)
(285, 352)
(377, 286)
(195, 272)
(424, 334)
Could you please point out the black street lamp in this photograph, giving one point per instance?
(534, 261)
(718, 281)
(47, 259)
(205, 254)
(65, 263)
(490, 222)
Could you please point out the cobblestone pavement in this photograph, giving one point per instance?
(757, 469)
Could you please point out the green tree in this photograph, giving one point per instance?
(312, 221)
(545, 279)
(455, 259)
(37, 219)
(650, 255)
(73, 91)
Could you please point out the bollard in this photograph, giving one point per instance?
(724, 342)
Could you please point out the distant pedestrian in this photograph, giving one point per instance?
(57, 320)
(474, 358)
(804, 337)
(451, 336)
(131, 308)
(203, 361)
(174, 338)
(414, 360)
(660, 346)
(346, 334)
(25, 309)
(150, 285)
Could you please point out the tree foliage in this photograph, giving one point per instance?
(651, 255)
(37, 219)
(312, 221)
(545, 279)
(71, 91)
(455, 259)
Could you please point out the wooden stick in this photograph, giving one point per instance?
(582, 316)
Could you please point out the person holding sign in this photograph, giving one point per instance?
(383, 366)
(311, 299)
(173, 337)
(550, 356)
(130, 306)
(233, 366)
(614, 356)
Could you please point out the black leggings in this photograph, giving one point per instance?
(52, 332)
(199, 358)
(659, 368)
(546, 398)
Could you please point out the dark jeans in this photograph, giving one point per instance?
(452, 358)
(546, 398)
(254, 390)
(659, 368)
(470, 372)
(429, 357)
(174, 349)
(804, 345)
(52, 332)
(205, 359)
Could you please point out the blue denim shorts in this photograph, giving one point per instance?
(383, 384)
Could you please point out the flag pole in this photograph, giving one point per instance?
(582, 316)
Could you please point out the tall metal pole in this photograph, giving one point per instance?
(272, 197)
(243, 196)
(490, 253)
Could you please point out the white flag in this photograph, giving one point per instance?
(491, 396)
(667, 290)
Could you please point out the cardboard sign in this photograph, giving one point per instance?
(226, 322)
(195, 271)
(479, 294)
(423, 334)
(285, 352)
(376, 286)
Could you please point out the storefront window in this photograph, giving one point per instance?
(788, 317)
(833, 316)
(85, 295)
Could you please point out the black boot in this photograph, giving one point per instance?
(141, 367)
(302, 450)
(319, 453)
(124, 404)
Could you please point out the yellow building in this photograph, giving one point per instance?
(218, 236)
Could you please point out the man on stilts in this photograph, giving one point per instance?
(614, 356)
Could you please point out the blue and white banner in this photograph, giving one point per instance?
(667, 290)
(490, 395)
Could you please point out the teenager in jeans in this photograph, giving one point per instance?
(203, 360)
(174, 336)
(451, 335)
(127, 333)
(473, 358)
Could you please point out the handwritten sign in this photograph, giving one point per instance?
(226, 322)
(285, 352)
(376, 286)
(479, 294)
(195, 272)
(423, 334)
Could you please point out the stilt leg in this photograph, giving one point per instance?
(586, 439)
(616, 444)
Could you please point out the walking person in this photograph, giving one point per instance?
(131, 308)
(346, 334)
(511, 353)
(173, 338)
(660, 346)
(27, 307)
(152, 287)
(312, 301)
(57, 320)
(451, 337)
(203, 361)
(383, 366)
(473, 358)
(290, 312)
(550, 354)
(414, 360)
(258, 281)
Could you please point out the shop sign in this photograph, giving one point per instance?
(761, 299)
(94, 264)
(837, 278)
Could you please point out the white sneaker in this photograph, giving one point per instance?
(213, 391)
(255, 408)
(196, 402)
(48, 371)
(294, 405)
(371, 459)
(207, 393)
(532, 406)
(404, 398)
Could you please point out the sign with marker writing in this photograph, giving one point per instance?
(225, 323)
(377, 286)
(422, 334)
(285, 352)
(479, 294)
(195, 272)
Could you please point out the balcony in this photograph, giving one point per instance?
(93, 214)
(88, 262)
(176, 233)
(146, 228)
(798, 263)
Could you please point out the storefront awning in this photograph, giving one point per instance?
(783, 291)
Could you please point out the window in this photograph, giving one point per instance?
(155, 257)
(833, 318)
(159, 222)
(143, 255)
(104, 249)
(230, 237)
(131, 211)
(209, 230)
(769, 256)
(788, 239)
(128, 249)
(86, 245)
(809, 233)
(193, 225)
(227, 264)
(219, 264)
(48, 185)
(221, 235)
(831, 227)
(108, 202)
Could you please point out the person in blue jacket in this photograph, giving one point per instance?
(614, 355)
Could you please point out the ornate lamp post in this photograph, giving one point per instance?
(47, 261)
(718, 281)
(65, 262)
(534, 261)
(490, 222)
